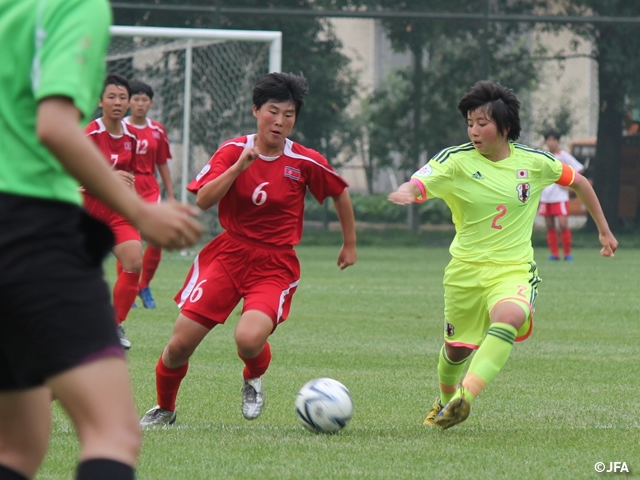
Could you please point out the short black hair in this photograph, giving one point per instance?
(499, 102)
(141, 88)
(281, 87)
(118, 80)
(552, 132)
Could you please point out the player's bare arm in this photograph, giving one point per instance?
(169, 226)
(211, 193)
(165, 175)
(405, 195)
(344, 209)
(585, 192)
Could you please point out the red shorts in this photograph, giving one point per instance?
(152, 197)
(559, 209)
(229, 269)
(122, 230)
(147, 187)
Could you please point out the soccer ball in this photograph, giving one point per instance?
(324, 405)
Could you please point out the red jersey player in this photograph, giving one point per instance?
(118, 144)
(260, 183)
(152, 153)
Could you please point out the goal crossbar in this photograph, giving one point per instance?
(273, 37)
(193, 37)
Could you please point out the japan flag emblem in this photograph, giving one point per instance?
(522, 173)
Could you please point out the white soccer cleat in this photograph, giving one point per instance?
(124, 341)
(252, 398)
(158, 417)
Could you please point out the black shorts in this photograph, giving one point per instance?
(55, 306)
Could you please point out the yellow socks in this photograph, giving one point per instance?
(449, 375)
(488, 360)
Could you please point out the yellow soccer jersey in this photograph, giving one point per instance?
(494, 204)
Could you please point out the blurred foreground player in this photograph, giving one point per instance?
(56, 322)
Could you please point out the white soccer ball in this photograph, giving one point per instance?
(324, 405)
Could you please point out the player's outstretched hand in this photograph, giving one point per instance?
(609, 244)
(401, 197)
(169, 225)
(347, 257)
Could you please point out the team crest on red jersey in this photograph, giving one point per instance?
(524, 192)
(292, 173)
(127, 145)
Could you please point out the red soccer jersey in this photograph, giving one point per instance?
(119, 151)
(266, 202)
(153, 146)
(153, 149)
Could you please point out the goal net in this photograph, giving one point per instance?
(202, 81)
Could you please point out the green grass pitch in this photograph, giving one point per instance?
(567, 398)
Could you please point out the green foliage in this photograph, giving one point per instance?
(615, 47)
(309, 47)
(415, 113)
(560, 117)
(566, 399)
(377, 209)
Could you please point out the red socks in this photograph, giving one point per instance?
(552, 241)
(150, 262)
(167, 384)
(565, 236)
(168, 379)
(124, 294)
(255, 367)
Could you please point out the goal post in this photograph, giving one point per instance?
(202, 81)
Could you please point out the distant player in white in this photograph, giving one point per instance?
(554, 201)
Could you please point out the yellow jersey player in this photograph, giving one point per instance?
(492, 186)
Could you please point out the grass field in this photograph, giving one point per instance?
(567, 398)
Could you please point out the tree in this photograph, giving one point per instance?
(309, 47)
(415, 113)
(615, 48)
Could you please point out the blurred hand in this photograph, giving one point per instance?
(126, 177)
(347, 257)
(169, 225)
(609, 244)
(402, 197)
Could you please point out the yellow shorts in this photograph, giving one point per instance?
(471, 292)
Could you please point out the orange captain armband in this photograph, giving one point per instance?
(567, 176)
(423, 191)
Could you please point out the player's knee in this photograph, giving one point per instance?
(132, 264)
(457, 354)
(249, 343)
(177, 352)
(24, 455)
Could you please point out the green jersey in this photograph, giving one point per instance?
(48, 48)
(493, 204)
